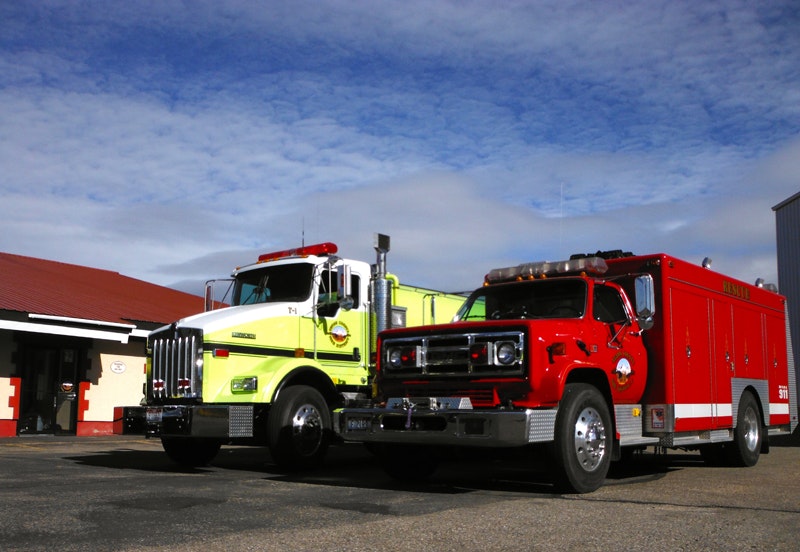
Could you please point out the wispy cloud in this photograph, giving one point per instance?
(173, 141)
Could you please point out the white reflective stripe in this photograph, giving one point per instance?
(703, 410)
(724, 409)
(778, 408)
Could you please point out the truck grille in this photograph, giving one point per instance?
(176, 364)
(478, 354)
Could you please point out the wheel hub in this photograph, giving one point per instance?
(751, 427)
(307, 428)
(590, 439)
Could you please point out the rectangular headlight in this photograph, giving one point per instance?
(248, 384)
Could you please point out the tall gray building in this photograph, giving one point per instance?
(787, 220)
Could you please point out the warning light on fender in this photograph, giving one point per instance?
(559, 348)
(556, 349)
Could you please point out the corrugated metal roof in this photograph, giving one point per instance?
(786, 201)
(52, 288)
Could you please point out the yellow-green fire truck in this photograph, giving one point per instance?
(296, 342)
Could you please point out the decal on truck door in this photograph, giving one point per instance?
(623, 370)
(339, 335)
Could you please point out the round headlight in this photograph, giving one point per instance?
(395, 358)
(506, 353)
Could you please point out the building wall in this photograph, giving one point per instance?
(115, 378)
(787, 219)
(9, 387)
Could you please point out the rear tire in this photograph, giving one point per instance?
(299, 428)
(581, 452)
(748, 435)
(190, 452)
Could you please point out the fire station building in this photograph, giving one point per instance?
(72, 343)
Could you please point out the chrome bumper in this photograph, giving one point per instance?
(444, 421)
(217, 421)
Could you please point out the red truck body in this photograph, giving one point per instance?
(714, 337)
(591, 356)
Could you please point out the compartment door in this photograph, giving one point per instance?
(692, 380)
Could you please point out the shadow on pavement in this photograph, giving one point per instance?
(353, 466)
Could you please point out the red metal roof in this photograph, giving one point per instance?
(52, 288)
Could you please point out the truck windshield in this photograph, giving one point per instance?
(272, 284)
(532, 299)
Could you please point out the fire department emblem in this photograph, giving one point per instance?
(622, 372)
(339, 334)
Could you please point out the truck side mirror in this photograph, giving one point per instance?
(209, 296)
(344, 287)
(210, 301)
(645, 300)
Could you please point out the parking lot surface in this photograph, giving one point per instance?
(122, 493)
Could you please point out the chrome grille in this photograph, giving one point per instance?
(176, 364)
(452, 355)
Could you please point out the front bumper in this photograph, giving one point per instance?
(444, 421)
(210, 421)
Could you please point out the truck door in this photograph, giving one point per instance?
(628, 358)
(341, 333)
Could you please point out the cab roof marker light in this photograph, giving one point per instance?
(326, 248)
(543, 269)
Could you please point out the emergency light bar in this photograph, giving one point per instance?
(544, 269)
(326, 248)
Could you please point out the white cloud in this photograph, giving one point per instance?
(172, 141)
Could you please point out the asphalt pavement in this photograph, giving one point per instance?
(123, 494)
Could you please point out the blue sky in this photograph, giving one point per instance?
(174, 141)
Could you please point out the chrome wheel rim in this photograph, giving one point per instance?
(307, 429)
(751, 429)
(590, 439)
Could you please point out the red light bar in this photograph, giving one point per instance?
(326, 248)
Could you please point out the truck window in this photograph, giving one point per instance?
(329, 287)
(608, 305)
(289, 282)
(533, 299)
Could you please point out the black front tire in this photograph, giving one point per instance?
(581, 451)
(190, 452)
(299, 428)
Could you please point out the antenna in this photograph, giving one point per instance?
(561, 222)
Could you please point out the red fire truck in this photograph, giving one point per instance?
(592, 357)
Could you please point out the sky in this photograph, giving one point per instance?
(174, 141)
